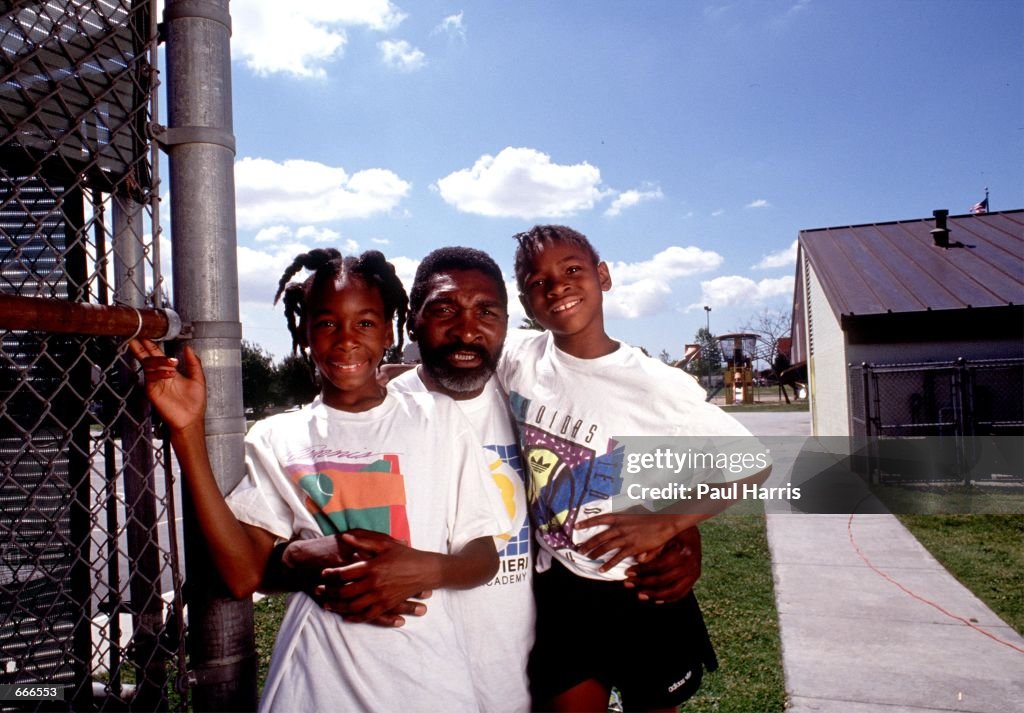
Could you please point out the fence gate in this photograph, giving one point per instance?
(90, 592)
(955, 403)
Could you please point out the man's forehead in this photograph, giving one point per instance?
(450, 284)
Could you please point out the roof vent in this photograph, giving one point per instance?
(941, 233)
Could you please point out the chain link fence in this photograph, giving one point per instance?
(961, 402)
(90, 585)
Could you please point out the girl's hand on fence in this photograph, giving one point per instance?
(179, 396)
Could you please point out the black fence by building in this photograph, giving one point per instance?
(965, 404)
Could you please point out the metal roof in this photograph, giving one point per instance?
(881, 268)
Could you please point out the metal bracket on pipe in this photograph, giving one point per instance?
(225, 426)
(174, 326)
(216, 330)
(167, 137)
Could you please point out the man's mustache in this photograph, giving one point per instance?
(449, 349)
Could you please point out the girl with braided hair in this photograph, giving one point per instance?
(411, 513)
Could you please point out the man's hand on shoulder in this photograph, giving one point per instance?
(671, 575)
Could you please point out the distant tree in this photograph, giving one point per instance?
(257, 379)
(665, 356)
(770, 325)
(710, 355)
(294, 384)
(530, 323)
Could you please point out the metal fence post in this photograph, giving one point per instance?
(139, 472)
(200, 144)
(963, 415)
(873, 475)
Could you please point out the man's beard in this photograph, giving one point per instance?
(455, 379)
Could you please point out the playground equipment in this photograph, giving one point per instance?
(740, 351)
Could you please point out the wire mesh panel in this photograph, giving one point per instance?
(958, 402)
(89, 555)
(916, 400)
(996, 389)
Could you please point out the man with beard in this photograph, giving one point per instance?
(458, 315)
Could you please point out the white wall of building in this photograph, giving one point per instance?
(826, 365)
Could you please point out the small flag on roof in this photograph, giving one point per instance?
(981, 206)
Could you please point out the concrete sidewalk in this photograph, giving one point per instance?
(870, 622)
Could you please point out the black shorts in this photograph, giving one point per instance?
(655, 654)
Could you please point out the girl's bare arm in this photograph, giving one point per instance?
(239, 551)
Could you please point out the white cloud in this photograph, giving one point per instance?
(729, 290)
(272, 233)
(522, 183)
(636, 299)
(271, 36)
(380, 241)
(516, 313)
(717, 213)
(400, 55)
(260, 269)
(453, 26)
(643, 288)
(798, 6)
(782, 21)
(671, 263)
(782, 258)
(275, 233)
(632, 197)
(405, 268)
(759, 203)
(324, 235)
(268, 192)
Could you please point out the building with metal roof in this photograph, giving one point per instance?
(931, 290)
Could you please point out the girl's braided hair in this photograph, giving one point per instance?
(327, 264)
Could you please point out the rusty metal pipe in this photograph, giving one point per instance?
(45, 314)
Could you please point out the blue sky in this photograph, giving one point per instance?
(690, 141)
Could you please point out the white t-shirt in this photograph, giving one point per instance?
(570, 413)
(321, 471)
(498, 617)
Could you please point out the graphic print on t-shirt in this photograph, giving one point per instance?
(564, 477)
(507, 471)
(346, 495)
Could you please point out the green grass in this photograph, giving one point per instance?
(267, 614)
(984, 552)
(951, 499)
(736, 594)
(738, 599)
